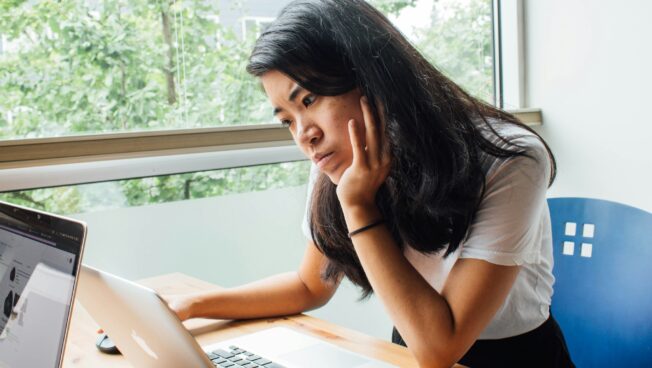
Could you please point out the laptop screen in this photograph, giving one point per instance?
(39, 261)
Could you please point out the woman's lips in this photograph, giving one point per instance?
(323, 161)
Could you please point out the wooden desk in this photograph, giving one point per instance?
(81, 352)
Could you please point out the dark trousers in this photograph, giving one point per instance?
(544, 346)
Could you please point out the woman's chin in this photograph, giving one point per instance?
(334, 179)
(335, 173)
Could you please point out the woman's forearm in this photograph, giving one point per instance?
(278, 295)
(437, 327)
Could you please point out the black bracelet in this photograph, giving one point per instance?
(365, 228)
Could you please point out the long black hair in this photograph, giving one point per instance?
(434, 129)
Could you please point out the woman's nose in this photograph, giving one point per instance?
(309, 133)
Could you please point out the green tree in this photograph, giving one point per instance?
(121, 65)
(459, 43)
(392, 7)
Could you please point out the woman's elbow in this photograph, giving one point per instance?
(429, 357)
(435, 362)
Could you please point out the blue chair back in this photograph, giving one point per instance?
(603, 290)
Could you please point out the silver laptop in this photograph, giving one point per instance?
(149, 334)
(40, 257)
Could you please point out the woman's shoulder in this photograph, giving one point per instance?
(514, 137)
(507, 134)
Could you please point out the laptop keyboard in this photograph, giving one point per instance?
(235, 357)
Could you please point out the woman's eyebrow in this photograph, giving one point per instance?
(293, 94)
(295, 91)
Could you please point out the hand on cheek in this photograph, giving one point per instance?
(370, 166)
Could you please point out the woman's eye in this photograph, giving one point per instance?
(308, 100)
(286, 123)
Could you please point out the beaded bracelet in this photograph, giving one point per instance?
(365, 228)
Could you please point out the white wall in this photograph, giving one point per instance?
(589, 68)
(227, 240)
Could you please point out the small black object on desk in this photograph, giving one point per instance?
(106, 345)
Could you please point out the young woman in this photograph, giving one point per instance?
(427, 197)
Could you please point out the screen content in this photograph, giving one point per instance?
(36, 284)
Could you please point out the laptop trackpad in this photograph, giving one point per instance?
(323, 356)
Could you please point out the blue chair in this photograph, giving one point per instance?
(603, 290)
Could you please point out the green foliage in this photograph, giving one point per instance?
(459, 43)
(216, 183)
(62, 200)
(83, 68)
(392, 7)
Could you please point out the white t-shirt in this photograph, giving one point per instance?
(511, 227)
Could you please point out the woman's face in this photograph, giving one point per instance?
(319, 124)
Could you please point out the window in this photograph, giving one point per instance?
(255, 25)
(110, 195)
(86, 66)
(454, 35)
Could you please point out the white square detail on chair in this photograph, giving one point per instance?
(571, 229)
(587, 250)
(588, 230)
(569, 248)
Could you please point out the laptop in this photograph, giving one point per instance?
(40, 258)
(149, 334)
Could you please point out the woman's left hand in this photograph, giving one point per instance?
(181, 304)
(371, 164)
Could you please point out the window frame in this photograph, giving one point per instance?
(47, 176)
(509, 54)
